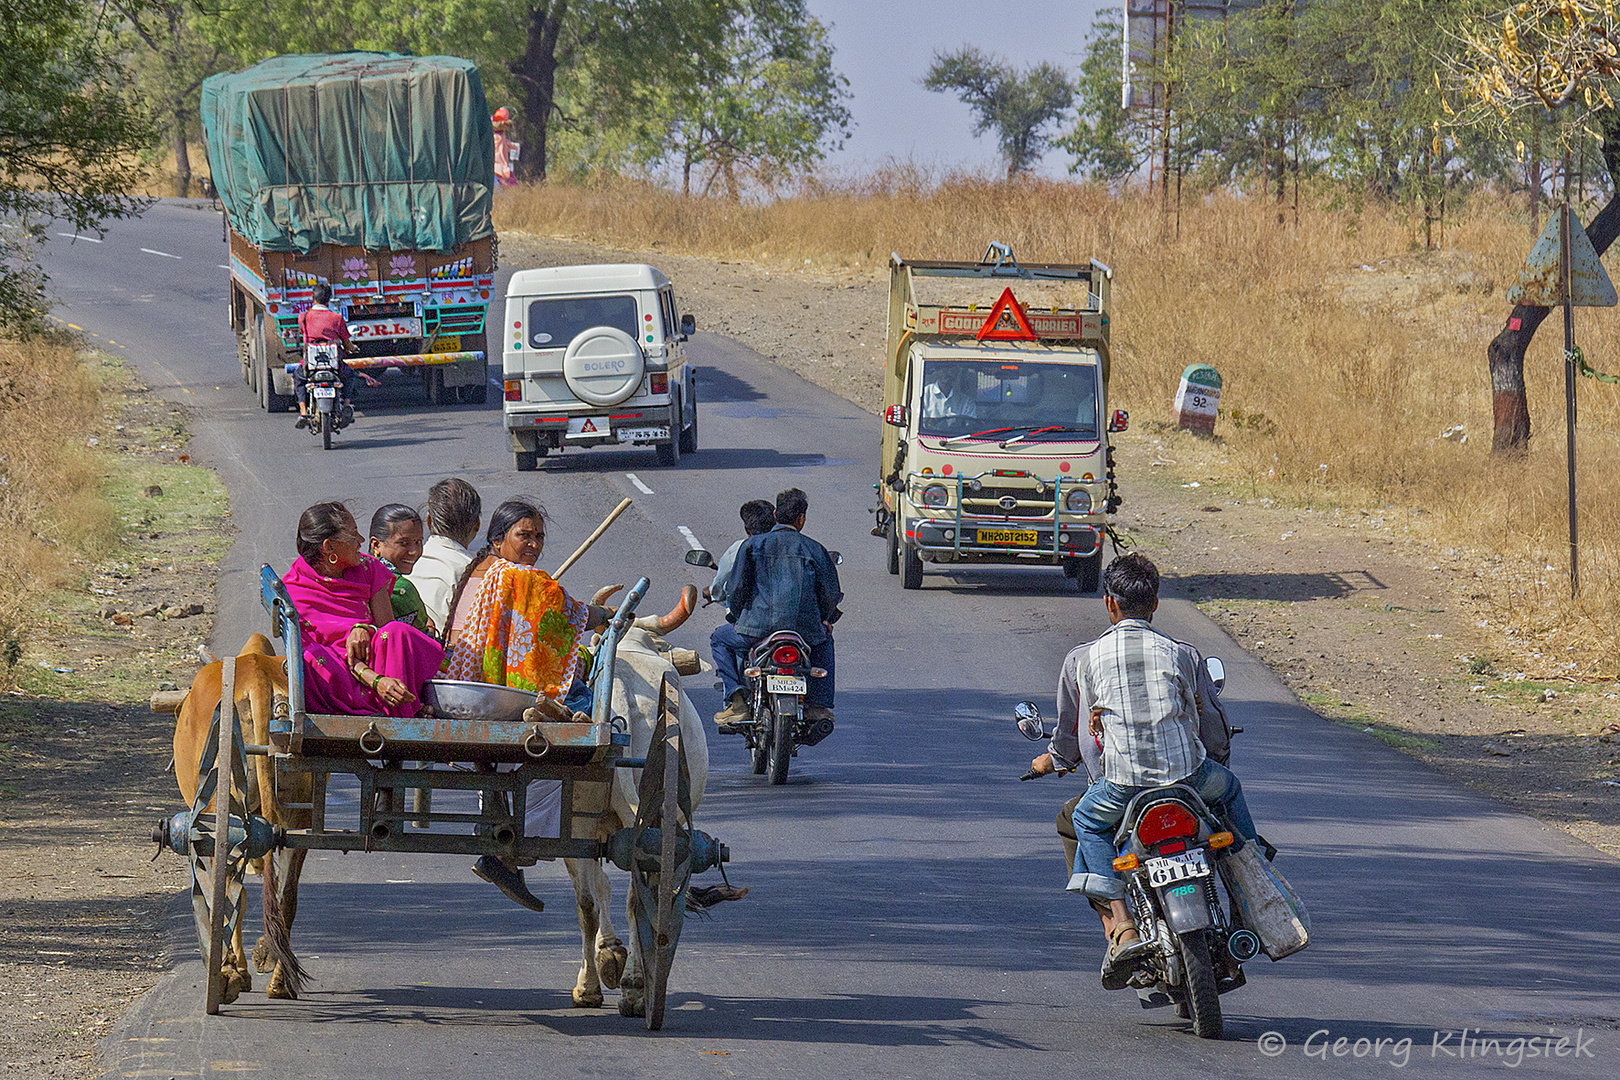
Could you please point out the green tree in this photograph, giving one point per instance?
(68, 138)
(171, 56)
(1109, 142)
(771, 110)
(1018, 106)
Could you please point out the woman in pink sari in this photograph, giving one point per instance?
(358, 660)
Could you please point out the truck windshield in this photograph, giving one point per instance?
(554, 323)
(961, 397)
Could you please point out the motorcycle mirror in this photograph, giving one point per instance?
(700, 557)
(1028, 715)
(1217, 672)
(837, 557)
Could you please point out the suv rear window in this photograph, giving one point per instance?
(554, 323)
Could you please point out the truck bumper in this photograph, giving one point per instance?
(946, 541)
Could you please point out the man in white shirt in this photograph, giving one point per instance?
(953, 392)
(454, 513)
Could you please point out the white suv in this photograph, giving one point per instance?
(593, 355)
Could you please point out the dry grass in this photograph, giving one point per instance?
(51, 505)
(1338, 379)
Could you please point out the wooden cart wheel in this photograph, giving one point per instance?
(217, 871)
(659, 895)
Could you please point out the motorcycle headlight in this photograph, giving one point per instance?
(1077, 501)
(935, 495)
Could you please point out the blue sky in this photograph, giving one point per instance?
(884, 46)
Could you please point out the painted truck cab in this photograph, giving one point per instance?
(596, 355)
(995, 446)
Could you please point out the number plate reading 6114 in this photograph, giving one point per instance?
(1168, 871)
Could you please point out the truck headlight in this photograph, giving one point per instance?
(935, 495)
(1077, 501)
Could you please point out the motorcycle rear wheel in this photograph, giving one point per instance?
(1203, 996)
(759, 739)
(781, 745)
(326, 431)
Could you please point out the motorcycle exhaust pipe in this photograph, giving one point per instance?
(1243, 945)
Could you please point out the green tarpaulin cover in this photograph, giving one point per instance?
(375, 150)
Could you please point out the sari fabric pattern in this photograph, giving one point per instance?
(522, 630)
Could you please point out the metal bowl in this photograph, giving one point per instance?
(451, 699)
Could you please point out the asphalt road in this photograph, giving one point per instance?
(907, 915)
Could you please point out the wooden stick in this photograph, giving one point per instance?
(593, 538)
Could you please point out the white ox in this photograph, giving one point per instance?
(643, 661)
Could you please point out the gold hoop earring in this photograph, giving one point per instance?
(332, 559)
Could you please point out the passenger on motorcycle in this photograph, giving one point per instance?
(321, 324)
(1141, 692)
(758, 516)
(783, 581)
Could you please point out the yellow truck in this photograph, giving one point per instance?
(996, 416)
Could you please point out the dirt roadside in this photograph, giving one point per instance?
(84, 765)
(1367, 617)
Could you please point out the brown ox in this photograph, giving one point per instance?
(261, 677)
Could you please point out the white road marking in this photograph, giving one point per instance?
(636, 480)
(76, 236)
(697, 545)
(222, 266)
(154, 251)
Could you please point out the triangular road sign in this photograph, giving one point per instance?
(1539, 282)
(1007, 321)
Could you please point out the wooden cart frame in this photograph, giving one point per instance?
(390, 756)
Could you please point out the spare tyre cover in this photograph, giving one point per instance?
(603, 365)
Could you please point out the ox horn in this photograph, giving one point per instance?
(663, 624)
(604, 593)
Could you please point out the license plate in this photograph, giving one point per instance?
(643, 434)
(1174, 868)
(447, 344)
(1009, 536)
(786, 684)
(385, 328)
(325, 392)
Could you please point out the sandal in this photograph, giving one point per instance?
(1125, 945)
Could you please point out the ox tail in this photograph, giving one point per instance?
(278, 934)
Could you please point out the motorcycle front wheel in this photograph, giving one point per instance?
(1203, 997)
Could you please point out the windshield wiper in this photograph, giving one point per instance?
(987, 431)
(1042, 431)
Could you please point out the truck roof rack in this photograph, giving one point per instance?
(1087, 326)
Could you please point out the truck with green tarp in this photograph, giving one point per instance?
(374, 173)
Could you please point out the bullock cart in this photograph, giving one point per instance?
(462, 748)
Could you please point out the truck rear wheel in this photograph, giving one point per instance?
(267, 354)
(894, 544)
(911, 568)
(527, 460)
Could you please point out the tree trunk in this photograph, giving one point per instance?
(536, 72)
(1510, 408)
(182, 153)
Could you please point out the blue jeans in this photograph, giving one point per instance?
(730, 652)
(1100, 810)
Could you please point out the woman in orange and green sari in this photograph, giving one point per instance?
(511, 624)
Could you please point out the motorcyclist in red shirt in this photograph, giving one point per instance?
(321, 324)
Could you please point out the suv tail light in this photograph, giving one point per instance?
(658, 384)
(1165, 821)
(513, 391)
(785, 656)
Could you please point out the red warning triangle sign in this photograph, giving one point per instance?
(588, 425)
(1007, 321)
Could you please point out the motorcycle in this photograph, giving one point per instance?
(1172, 850)
(329, 408)
(776, 681)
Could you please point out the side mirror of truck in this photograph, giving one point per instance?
(699, 557)
(1120, 422)
(898, 415)
(688, 326)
